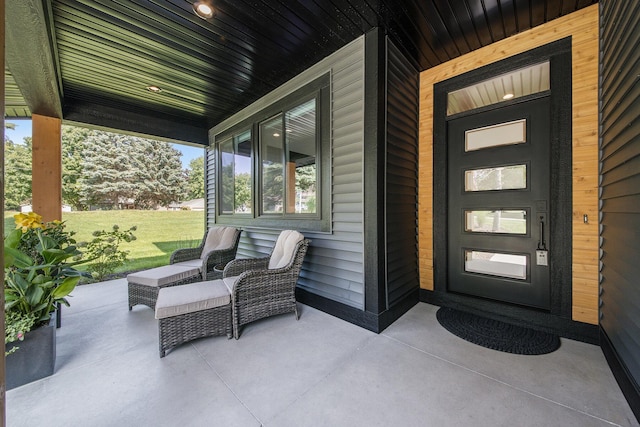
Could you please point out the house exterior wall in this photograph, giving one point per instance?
(334, 264)
(401, 176)
(582, 27)
(620, 194)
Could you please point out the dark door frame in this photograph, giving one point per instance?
(558, 318)
(533, 153)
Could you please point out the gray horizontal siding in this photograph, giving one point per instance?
(620, 183)
(333, 267)
(401, 177)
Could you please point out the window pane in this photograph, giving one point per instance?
(499, 221)
(509, 133)
(242, 172)
(496, 264)
(515, 84)
(300, 129)
(272, 168)
(235, 176)
(500, 178)
(226, 177)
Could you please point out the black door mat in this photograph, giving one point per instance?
(495, 334)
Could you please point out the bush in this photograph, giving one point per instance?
(105, 252)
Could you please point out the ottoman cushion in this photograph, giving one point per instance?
(190, 298)
(162, 276)
(194, 263)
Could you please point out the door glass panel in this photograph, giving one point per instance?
(496, 264)
(512, 85)
(498, 221)
(500, 178)
(508, 133)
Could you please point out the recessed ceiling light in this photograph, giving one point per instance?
(276, 134)
(203, 9)
(508, 96)
(154, 89)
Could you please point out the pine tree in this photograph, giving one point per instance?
(158, 174)
(109, 174)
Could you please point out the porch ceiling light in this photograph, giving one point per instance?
(154, 89)
(507, 96)
(203, 9)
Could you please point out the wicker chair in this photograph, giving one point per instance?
(208, 255)
(266, 287)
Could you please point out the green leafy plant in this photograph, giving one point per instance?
(39, 273)
(17, 325)
(104, 250)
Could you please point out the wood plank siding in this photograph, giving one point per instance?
(333, 267)
(582, 27)
(620, 194)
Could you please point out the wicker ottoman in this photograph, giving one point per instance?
(188, 312)
(144, 285)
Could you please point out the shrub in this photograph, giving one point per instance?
(104, 250)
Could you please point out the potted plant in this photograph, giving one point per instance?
(39, 274)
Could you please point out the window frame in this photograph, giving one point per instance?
(318, 89)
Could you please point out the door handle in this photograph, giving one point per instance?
(542, 245)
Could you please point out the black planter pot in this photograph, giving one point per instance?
(36, 357)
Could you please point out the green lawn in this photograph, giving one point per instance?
(159, 232)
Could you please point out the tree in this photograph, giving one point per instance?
(243, 192)
(17, 174)
(109, 174)
(120, 169)
(195, 178)
(73, 147)
(158, 174)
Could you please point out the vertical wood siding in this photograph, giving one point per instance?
(401, 176)
(582, 26)
(333, 267)
(620, 169)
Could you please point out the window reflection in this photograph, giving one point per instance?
(235, 177)
(300, 128)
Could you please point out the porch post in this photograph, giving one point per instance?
(47, 167)
(2, 364)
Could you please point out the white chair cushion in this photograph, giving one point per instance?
(284, 250)
(161, 276)
(230, 282)
(218, 238)
(192, 263)
(190, 298)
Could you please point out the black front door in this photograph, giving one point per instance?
(498, 204)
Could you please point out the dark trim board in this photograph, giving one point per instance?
(367, 320)
(515, 315)
(630, 389)
(136, 122)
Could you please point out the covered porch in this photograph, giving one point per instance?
(318, 371)
(153, 68)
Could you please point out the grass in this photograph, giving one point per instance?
(159, 232)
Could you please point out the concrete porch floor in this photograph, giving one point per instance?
(318, 371)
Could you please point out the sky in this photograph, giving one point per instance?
(23, 128)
